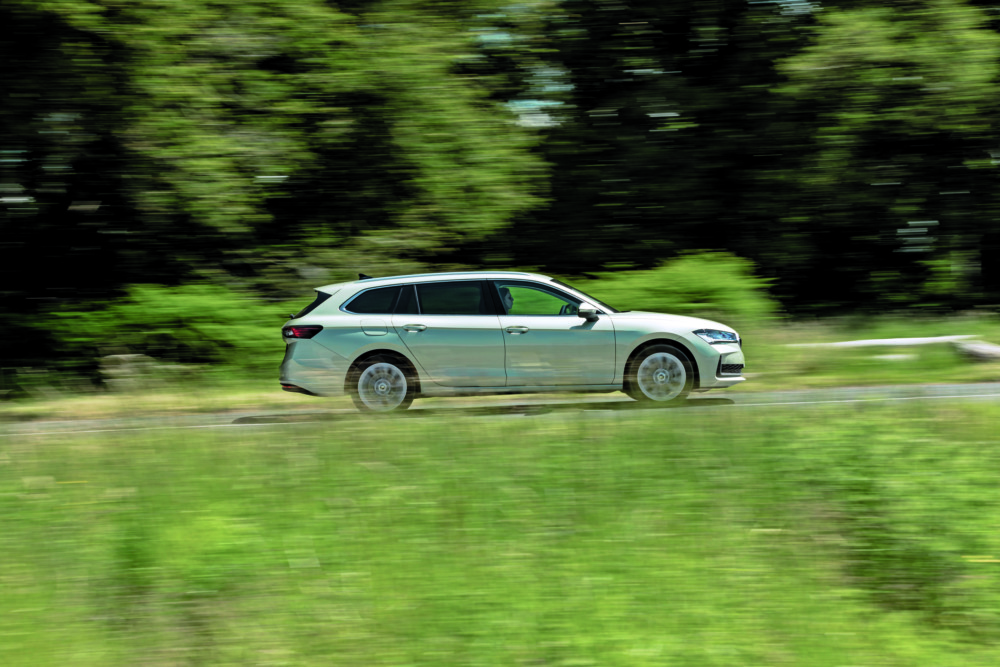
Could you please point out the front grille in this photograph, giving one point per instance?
(730, 369)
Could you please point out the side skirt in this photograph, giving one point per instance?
(429, 389)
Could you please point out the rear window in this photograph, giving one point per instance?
(374, 301)
(320, 298)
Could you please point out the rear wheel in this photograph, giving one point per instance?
(381, 384)
(659, 374)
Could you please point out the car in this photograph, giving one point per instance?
(387, 341)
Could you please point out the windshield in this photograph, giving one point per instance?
(596, 302)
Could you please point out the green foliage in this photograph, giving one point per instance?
(896, 202)
(189, 324)
(847, 149)
(926, 68)
(888, 550)
(716, 285)
(668, 137)
(179, 138)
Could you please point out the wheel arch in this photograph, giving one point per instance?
(411, 367)
(682, 347)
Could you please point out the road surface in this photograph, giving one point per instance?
(522, 405)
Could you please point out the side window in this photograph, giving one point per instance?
(454, 298)
(374, 301)
(521, 298)
(407, 304)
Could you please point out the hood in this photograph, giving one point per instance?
(678, 321)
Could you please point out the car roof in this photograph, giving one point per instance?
(431, 277)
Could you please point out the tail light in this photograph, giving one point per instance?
(301, 331)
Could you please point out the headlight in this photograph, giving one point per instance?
(715, 337)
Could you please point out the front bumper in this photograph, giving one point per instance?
(723, 367)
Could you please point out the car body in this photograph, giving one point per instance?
(385, 341)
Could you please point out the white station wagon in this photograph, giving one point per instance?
(386, 341)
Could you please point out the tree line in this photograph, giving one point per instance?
(848, 149)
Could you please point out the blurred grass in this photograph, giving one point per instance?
(772, 364)
(820, 536)
(164, 401)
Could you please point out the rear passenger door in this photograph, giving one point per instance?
(451, 328)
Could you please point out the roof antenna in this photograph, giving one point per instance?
(362, 276)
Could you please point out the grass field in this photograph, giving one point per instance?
(773, 363)
(840, 535)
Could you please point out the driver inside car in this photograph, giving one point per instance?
(507, 298)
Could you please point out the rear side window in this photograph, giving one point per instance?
(320, 298)
(456, 298)
(374, 301)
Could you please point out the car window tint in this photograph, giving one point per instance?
(374, 301)
(407, 304)
(320, 298)
(455, 298)
(525, 299)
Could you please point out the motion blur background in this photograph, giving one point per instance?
(177, 175)
(172, 173)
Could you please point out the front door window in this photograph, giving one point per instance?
(527, 299)
(547, 343)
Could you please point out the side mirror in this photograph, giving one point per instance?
(587, 311)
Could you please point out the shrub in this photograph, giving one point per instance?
(189, 324)
(710, 284)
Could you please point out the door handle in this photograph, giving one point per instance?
(516, 330)
(414, 327)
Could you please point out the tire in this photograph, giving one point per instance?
(659, 374)
(381, 384)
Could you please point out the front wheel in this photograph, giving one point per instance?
(380, 384)
(659, 374)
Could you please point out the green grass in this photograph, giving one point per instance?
(773, 364)
(166, 400)
(829, 536)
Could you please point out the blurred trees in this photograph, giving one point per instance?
(217, 133)
(263, 142)
(847, 148)
(670, 134)
(897, 191)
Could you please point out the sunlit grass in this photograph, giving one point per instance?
(726, 536)
(773, 361)
(165, 400)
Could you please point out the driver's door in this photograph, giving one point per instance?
(547, 343)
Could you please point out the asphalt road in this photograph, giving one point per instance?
(523, 405)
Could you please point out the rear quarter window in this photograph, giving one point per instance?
(320, 298)
(378, 301)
